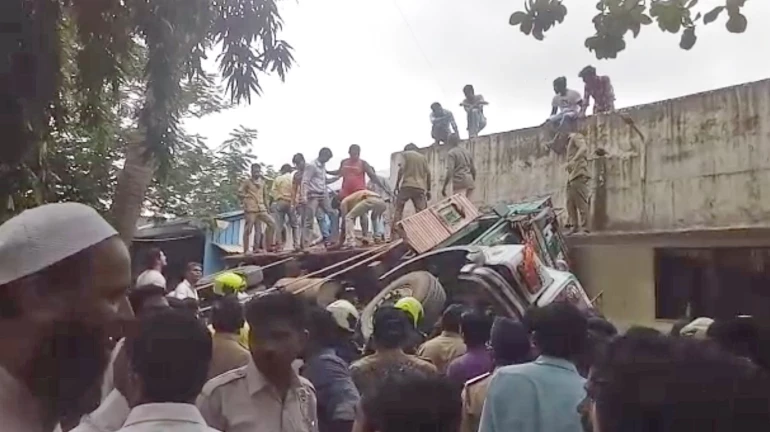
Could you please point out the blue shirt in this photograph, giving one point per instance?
(541, 396)
(337, 395)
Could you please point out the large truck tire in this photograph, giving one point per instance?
(312, 289)
(419, 284)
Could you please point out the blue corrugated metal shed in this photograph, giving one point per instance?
(225, 239)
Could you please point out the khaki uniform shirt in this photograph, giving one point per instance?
(166, 417)
(283, 187)
(474, 394)
(19, 409)
(226, 354)
(252, 195)
(353, 199)
(242, 400)
(414, 170)
(460, 168)
(577, 157)
(442, 349)
(371, 370)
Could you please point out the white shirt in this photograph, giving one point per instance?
(108, 417)
(151, 277)
(184, 290)
(166, 417)
(570, 102)
(108, 380)
(19, 409)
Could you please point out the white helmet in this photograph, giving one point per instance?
(345, 314)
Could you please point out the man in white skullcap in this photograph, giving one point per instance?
(63, 271)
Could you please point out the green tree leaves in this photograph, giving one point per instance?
(69, 68)
(616, 18)
(204, 182)
(539, 17)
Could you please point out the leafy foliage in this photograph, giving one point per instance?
(79, 76)
(616, 18)
(205, 182)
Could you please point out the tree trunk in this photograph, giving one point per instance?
(133, 181)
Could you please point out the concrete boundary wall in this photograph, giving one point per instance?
(697, 161)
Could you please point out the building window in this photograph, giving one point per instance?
(715, 282)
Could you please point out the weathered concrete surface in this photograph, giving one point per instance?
(704, 162)
(623, 279)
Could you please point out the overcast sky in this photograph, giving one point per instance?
(367, 71)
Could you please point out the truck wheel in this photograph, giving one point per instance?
(419, 284)
(321, 293)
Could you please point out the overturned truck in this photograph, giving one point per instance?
(504, 260)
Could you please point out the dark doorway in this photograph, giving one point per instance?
(714, 282)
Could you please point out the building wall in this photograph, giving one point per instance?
(701, 160)
(625, 278)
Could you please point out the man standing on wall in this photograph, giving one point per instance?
(578, 180)
(412, 183)
(252, 195)
(474, 107)
(460, 170)
(599, 88)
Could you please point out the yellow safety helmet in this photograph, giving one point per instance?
(412, 307)
(229, 283)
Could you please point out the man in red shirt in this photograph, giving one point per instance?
(354, 171)
(599, 88)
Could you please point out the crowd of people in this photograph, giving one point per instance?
(64, 271)
(75, 357)
(300, 196)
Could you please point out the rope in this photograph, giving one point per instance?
(345, 261)
(419, 48)
(390, 247)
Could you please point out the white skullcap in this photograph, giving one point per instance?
(45, 235)
(697, 328)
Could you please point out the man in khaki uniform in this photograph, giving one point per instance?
(252, 196)
(227, 322)
(412, 184)
(460, 170)
(267, 395)
(358, 205)
(578, 192)
(510, 345)
(449, 345)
